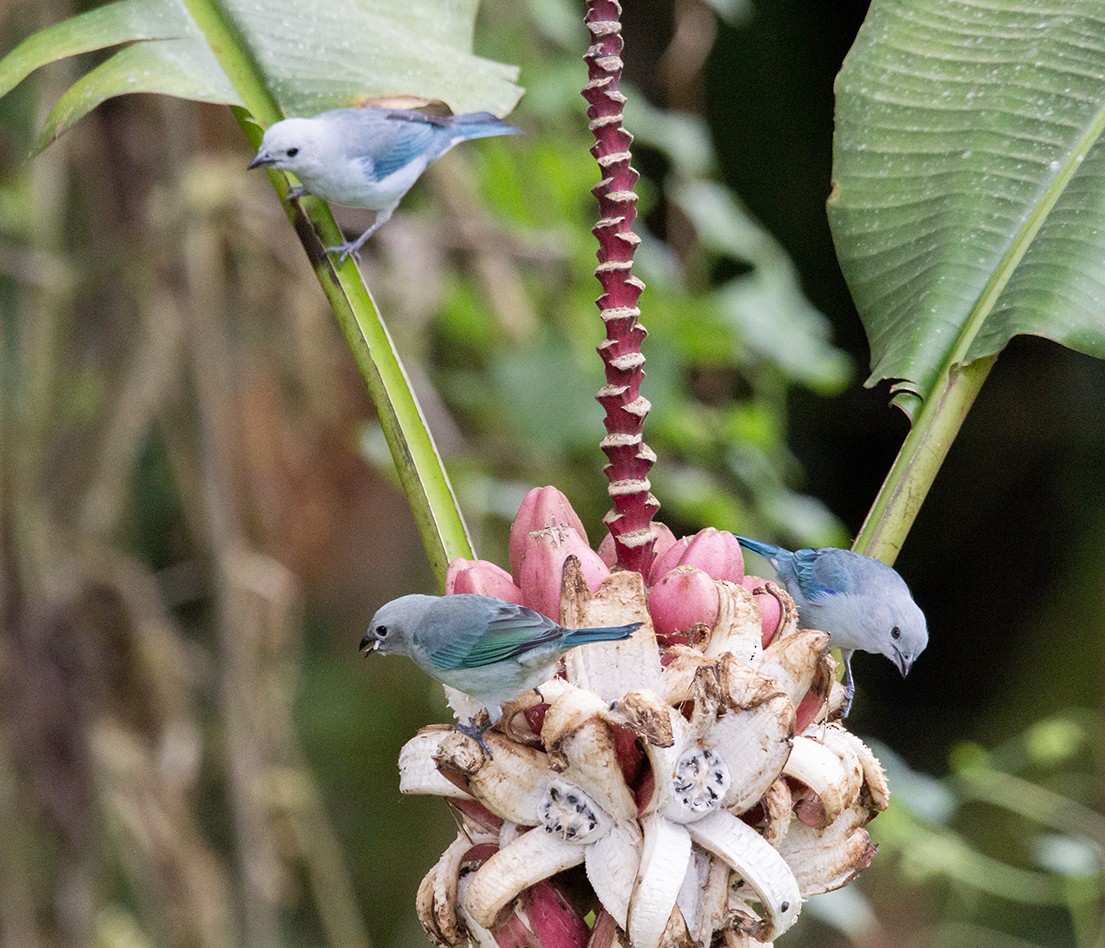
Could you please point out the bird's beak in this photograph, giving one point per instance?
(259, 161)
(369, 643)
(904, 663)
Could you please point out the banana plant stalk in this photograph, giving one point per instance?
(630, 519)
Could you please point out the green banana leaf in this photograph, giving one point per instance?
(968, 204)
(308, 63)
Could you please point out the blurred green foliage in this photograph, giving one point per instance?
(190, 540)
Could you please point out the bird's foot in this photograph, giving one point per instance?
(296, 192)
(348, 249)
(352, 248)
(476, 732)
(849, 697)
(849, 682)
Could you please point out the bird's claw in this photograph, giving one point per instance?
(476, 732)
(353, 247)
(849, 695)
(849, 683)
(346, 251)
(296, 192)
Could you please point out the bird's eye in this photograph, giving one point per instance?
(381, 631)
(895, 633)
(292, 152)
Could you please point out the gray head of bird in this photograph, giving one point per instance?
(392, 629)
(898, 629)
(298, 145)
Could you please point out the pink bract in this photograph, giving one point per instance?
(480, 576)
(552, 919)
(683, 598)
(543, 554)
(542, 508)
(716, 552)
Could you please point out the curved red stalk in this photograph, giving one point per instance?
(630, 520)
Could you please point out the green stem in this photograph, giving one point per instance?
(233, 54)
(915, 468)
(413, 450)
(421, 471)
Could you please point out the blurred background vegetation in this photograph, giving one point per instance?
(197, 511)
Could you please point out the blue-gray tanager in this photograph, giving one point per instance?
(367, 157)
(862, 603)
(488, 648)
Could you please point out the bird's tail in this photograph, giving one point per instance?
(481, 125)
(613, 634)
(766, 550)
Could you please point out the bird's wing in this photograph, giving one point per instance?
(511, 631)
(398, 140)
(820, 574)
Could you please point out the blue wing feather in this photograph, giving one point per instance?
(403, 141)
(511, 631)
(821, 573)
